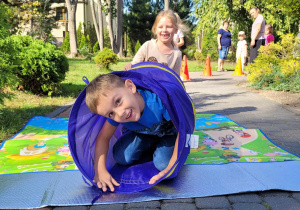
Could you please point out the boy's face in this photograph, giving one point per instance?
(122, 104)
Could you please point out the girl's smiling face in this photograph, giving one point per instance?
(165, 30)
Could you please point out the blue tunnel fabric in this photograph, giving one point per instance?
(84, 127)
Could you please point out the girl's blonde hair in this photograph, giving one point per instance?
(269, 27)
(175, 19)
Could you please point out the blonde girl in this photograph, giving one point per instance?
(162, 49)
(268, 34)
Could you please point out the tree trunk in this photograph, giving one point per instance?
(120, 29)
(101, 39)
(110, 29)
(95, 21)
(72, 6)
(166, 5)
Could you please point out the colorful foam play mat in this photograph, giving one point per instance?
(37, 169)
(42, 145)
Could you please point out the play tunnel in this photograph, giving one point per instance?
(84, 126)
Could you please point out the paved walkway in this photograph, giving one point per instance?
(221, 94)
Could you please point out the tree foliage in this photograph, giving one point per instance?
(276, 66)
(4, 24)
(283, 15)
(36, 15)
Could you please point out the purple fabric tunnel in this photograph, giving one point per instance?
(84, 127)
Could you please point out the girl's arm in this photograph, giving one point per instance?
(140, 56)
(171, 163)
(102, 177)
(181, 42)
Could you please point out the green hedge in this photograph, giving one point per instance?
(39, 66)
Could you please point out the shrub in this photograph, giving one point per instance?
(4, 24)
(106, 57)
(42, 68)
(137, 46)
(83, 42)
(276, 67)
(85, 51)
(79, 34)
(199, 56)
(7, 76)
(96, 47)
(88, 42)
(65, 47)
(38, 66)
(189, 52)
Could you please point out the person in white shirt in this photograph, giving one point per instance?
(178, 38)
(241, 50)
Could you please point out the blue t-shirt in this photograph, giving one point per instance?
(155, 119)
(225, 38)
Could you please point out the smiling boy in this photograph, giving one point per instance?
(141, 112)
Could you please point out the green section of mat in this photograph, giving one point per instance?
(42, 145)
(242, 145)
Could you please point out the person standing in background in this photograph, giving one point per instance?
(178, 38)
(269, 37)
(224, 42)
(241, 50)
(257, 33)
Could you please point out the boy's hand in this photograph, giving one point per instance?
(127, 66)
(105, 180)
(170, 165)
(158, 176)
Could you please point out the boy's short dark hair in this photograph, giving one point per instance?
(100, 86)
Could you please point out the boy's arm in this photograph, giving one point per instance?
(171, 163)
(102, 178)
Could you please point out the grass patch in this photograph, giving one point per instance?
(21, 105)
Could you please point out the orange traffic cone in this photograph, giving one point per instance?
(207, 68)
(238, 68)
(184, 71)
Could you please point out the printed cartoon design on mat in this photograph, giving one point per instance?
(243, 145)
(41, 146)
(36, 149)
(223, 141)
